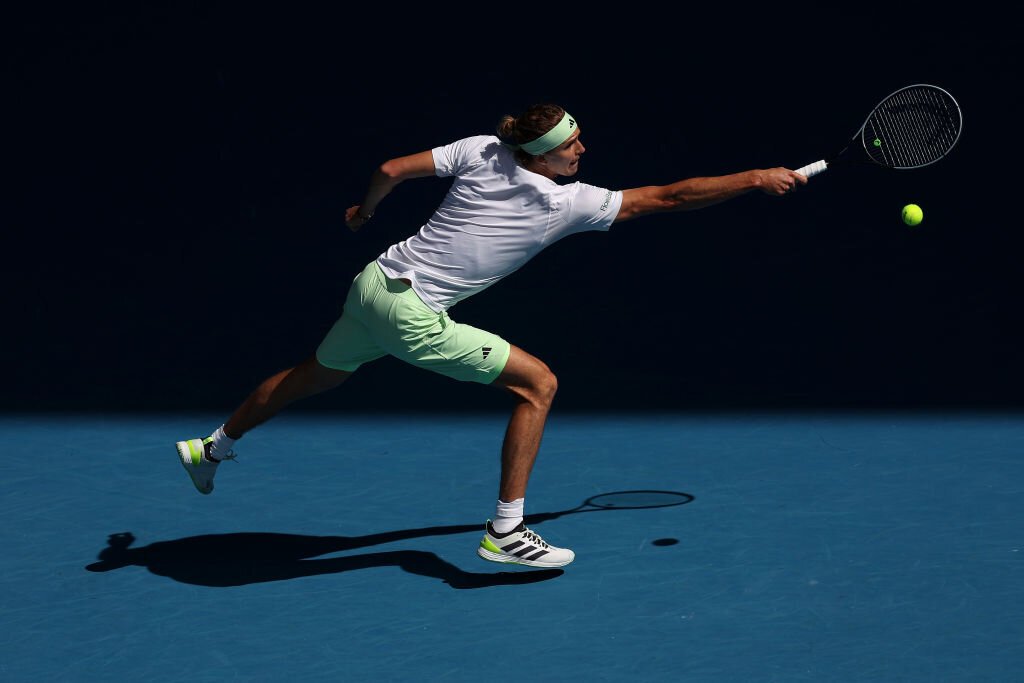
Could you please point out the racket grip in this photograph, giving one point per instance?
(812, 169)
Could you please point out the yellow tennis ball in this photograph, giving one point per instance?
(912, 214)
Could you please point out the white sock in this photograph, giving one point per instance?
(507, 516)
(222, 443)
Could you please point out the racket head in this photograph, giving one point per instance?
(913, 127)
(637, 500)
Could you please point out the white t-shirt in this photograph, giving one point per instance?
(495, 218)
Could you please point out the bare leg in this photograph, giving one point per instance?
(534, 387)
(278, 391)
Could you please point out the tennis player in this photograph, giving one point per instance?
(503, 208)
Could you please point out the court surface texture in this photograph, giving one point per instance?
(811, 547)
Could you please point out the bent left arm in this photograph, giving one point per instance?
(696, 193)
(385, 178)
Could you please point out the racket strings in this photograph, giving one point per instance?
(913, 127)
(931, 114)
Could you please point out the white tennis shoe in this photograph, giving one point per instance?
(195, 458)
(522, 546)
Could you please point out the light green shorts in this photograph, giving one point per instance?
(384, 316)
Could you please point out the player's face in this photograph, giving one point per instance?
(564, 159)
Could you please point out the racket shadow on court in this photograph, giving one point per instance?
(238, 559)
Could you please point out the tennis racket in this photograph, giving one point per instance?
(913, 127)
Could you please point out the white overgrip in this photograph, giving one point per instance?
(812, 169)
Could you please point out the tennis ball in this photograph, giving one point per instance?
(912, 214)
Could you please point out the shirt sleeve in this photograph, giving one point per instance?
(457, 157)
(593, 208)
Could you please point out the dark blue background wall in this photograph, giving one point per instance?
(178, 177)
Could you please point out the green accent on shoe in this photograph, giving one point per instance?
(487, 545)
(196, 451)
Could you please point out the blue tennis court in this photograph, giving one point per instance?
(810, 547)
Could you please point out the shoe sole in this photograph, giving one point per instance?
(185, 457)
(512, 559)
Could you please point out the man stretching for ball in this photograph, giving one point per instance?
(503, 208)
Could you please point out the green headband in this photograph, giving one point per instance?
(553, 138)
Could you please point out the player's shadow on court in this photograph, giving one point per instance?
(238, 559)
(222, 560)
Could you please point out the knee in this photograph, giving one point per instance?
(544, 389)
(314, 377)
(326, 378)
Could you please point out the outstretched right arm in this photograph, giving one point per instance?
(387, 176)
(696, 193)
